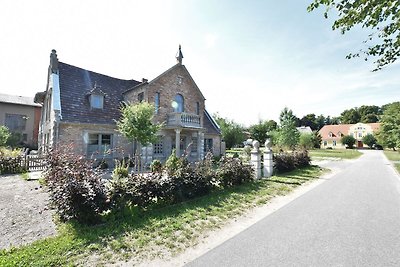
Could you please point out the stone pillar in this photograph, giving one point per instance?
(268, 159)
(255, 159)
(178, 142)
(200, 145)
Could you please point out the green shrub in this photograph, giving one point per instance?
(75, 187)
(11, 165)
(233, 172)
(156, 166)
(285, 161)
(120, 169)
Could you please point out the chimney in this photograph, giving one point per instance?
(144, 80)
(53, 61)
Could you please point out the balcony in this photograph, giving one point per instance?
(183, 120)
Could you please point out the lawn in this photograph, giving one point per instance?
(392, 155)
(334, 153)
(161, 232)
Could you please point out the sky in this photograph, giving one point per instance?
(249, 58)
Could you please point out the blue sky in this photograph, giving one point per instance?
(249, 58)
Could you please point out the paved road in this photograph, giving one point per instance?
(353, 219)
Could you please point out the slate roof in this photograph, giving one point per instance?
(75, 87)
(18, 100)
(209, 123)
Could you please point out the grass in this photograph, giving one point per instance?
(392, 155)
(140, 235)
(334, 153)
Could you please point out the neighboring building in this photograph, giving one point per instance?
(332, 134)
(82, 107)
(304, 130)
(21, 115)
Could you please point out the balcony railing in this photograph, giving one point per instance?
(183, 120)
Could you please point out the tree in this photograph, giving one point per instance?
(288, 135)
(389, 132)
(310, 120)
(306, 141)
(348, 140)
(232, 132)
(369, 114)
(136, 125)
(261, 130)
(4, 135)
(350, 116)
(382, 17)
(369, 140)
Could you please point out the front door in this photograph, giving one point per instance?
(360, 144)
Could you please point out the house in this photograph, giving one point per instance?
(81, 107)
(332, 134)
(21, 115)
(304, 130)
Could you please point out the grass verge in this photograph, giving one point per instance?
(392, 155)
(334, 153)
(161, 232)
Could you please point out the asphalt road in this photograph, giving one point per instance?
(352, 219)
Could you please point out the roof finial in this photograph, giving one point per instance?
(53, 61)
(179, 55)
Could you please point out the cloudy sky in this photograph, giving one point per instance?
(249, 58)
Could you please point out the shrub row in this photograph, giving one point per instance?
(11, 165)
(288, 161)
(78, 192)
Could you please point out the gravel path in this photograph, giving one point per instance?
(24, 216)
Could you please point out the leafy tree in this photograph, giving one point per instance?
(317, 139)
(4, 135)
(321, 121)
(232, 132)
(310, 120)
(288, 135)
(350, 116)
(348, 140)
(369, 140)
(369, 114)
(136, 125)
(389, 132)
(306, 141)
(260, 131)
(382, 17)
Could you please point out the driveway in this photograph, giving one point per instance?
(24, 215)
(352, 219)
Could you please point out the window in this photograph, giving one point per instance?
(157, 102)
(16, 122)
(158, 148)
(197, 108)
(334, 142)
(325, 143)
(140, 97)
(99, 144)
(360, 134)
(96, 101)
(330, 134)
(179, 80)
(179, 106)
(208, 145)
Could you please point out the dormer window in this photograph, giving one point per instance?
(330, 134)
(96, 101)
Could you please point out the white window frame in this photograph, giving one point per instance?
(96, 101)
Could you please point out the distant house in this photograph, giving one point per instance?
(304, 130)
(82, 106)
(21, 115)
(332, 134)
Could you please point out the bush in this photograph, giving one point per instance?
(233, 172)
(285, 161)
(156, 166)
(120, 169)
(11, 165)
(75, 187)
(348, 141)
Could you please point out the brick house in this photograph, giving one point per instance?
(81, 107)
(21, 115)
(332, 134)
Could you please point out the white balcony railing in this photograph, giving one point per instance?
(183, 120)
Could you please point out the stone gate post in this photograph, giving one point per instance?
(255, 159)
(268, 162)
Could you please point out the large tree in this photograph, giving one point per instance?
(381, 17)
(288, 135)
(350, 116)
(4, 135)
(136, 124)
(261, 130)
(389, 132)
(310, 120)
